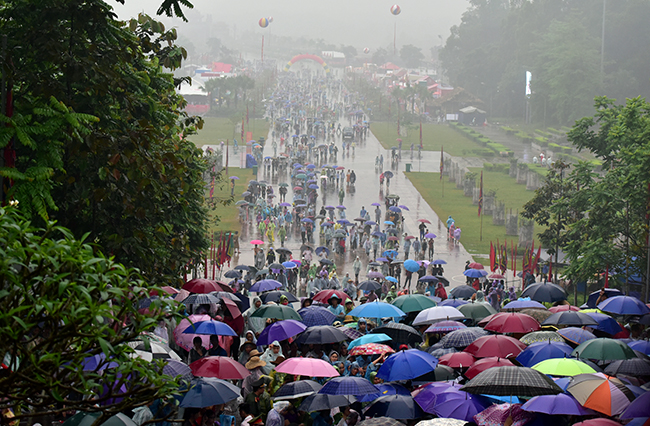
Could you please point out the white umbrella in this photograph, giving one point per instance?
(438, 313)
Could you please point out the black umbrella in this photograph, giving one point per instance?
(400, 333)
(632, 367)
(232, 274)
(241, 268)
(544, 292)
(369, 285)
(396, 406)
(321, 334)
(261, 272)
(283, 250)
(515, 381)
(200, 299)
(439, 374)
(274, 296)
(277, 266)
(297, 389)
(321, 401)
(462, 292)
(326, 262)
(572, 318)
(374, 263)
(443, 280)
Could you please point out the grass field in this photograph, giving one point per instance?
(228, 215)
(433, 137)
(217, 129)
(465, 213)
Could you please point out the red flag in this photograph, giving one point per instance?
(247, 115)
(550, 270)
(442, 163)
(514, 262)
(480, 196)
(504, 258)
(492, 257)
(421, 134)
(539, 252)
(242, 132)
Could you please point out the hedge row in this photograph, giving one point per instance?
(492, 147)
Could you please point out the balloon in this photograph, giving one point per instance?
(395, 9)
(264, 22)
(366, 50)
(270, 19)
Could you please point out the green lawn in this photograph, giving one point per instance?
(228, 215)
(465, 213)
(433, 137)
(217, 129)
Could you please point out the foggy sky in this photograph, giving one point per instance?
(360, 23)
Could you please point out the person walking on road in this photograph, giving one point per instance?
(416, 249)
(407, 248)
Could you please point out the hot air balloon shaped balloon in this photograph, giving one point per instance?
(366, 50)
(395, 9)
(264, 22)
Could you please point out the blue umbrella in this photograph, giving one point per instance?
(311, 166)
(540, 351)
(232, 274)
(298, 389)
(390, 253)
(388, 222)
(376, 310)
(289, 265)
(400, 407)
(307, 220)
(349, 385)
(411, 265)
(457, 404)
(313, 186)
(475, 273)
(624, 305)
(439, 262)
(524, 304)
(560, 404)
(576, 335)
(208, 391)
(407, 365)
(322, 249)
(265, 285)
(641, 346)
(316, 315)
(326, 224)
(453, 302)
(384, 390)
(606, 323)
(281, 330)
(210, 327)
(395, 209)
(609, 292)
(369, 338)
(391, 279)
(370, 222)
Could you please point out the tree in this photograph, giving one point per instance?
(67, 313)
(411, 55)
(379, 56)
(99, 133)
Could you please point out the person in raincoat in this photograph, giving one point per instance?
(273, 352)
(441, 292)
(254, 323)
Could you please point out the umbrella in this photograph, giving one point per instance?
(310, 367)
(369, 338)
(349, 386)
(201, 285)
(316, 315)
(462, 292)
(606, 324)
(369, 285)
(576, 335)
(457, 360)
(393, 280)
(290, 265)
(384, 390)
(220, 367)
(632, 367)
(341, 207)
(516, 381)
(376, 310)
(562, 367)
(232, 274)
(430, 235)
(603, 422)
(624, 305)
(438, 262)
(371, 349)
(281, 330)
(324, 296)
(441, 373)
(327, 261)
(88, 419)
(380, 421)
(257, 242)
(200, 299)
(411, 265)
(274, 296)
(321, 334)
(540, 351)
(149, 350)
(439, 351)
(242, 268)
(641, 346)
(462, 338)
(375, 274)
(424, 221)
(406, 365)
(603, 349)
(210, 327)
(640, 407)
(437, 313)
(428, 279)
(501, 414)
(175, 368)
(495, 345)
(539, 314)
(207, 392)
(400, 333)
(445, 327)
(570, 318)
(600, 393)
(512, 323)
(560, 404)
(476, 265)
(523, 304)
(485, 363)
(475, 273)
(319, 401)
(293, 390)
(184, 340)
(477, 311)
(278, 312)
(562, 308)
(594, 296)
(544, 292)
(457, 404)
(396, 407)
(265, 285)
(413, 302)
(350, 333)
(541, 336)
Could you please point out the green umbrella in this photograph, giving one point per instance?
(477, 311)
(87, 419)
(563, 367)
(413, 302)
(279, 312)
(603, 349)
(541, 336)
(284, 184)
(301, 176)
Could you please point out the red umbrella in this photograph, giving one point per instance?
(392, 238)
(476, 265)
(457, 360)
(496, 277)
(563, 308)
(202, 285)
(485, 320)
(598, 422)
(167, 289)
(297, 188)
(323, 296)
(237, 321)
(424, 221)
(409, 237)
(483, 364)
(495, 345)
(220, 367)
(512, 322)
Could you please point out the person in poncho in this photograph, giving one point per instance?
(255, 324)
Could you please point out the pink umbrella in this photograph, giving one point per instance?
(563, 308)
(310, 367)
(499, 414)
(185, 340)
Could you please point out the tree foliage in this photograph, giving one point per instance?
(63, 305)
(411, 55)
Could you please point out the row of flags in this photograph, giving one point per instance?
(500, 253)
(221, 252)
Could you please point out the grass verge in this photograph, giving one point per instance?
(228, 219)
(217, 129)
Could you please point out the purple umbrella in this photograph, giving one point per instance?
(265, 285)
(316, 315)
(376, 204)
(640, 407)
(457, 404)
(439, 262)
(175, 368)
(375, 274)
(370, 222)
(285, 205)
(341, 207)
(524, 304)
(381, 259)
(329, 207)
(401, 206)
(560, 404)
(641, 346)
(540, 351)
(453, 302)
(576, 335)
(234, 177)
(426, 398)
(430, 235)
(281, 330)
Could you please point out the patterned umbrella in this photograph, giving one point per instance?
(631, 367)
(380, 421)
(351, 333)
(576, 335)
(516, 381)
(316, 315)
(445, 327)
(463, 337)
(349, 385)
(438, 352)
(601, 393)
(371, 349)
(200, 299)
(442, 422)
(541, 336)
(499, 415)
(539, 314)
(175, 368)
